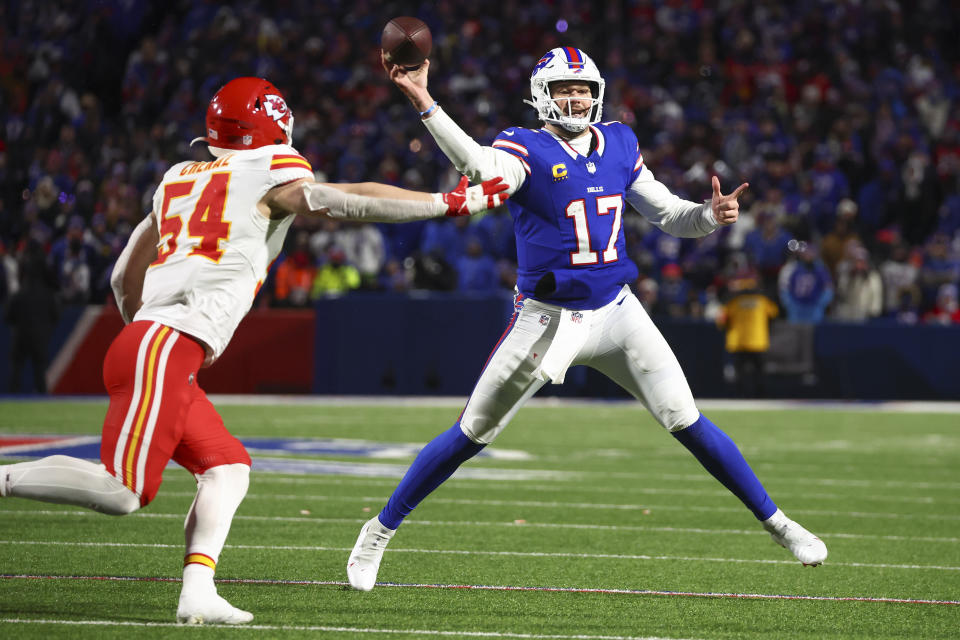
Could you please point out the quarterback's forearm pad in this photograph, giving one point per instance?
(349, 206)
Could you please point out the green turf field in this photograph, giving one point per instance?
(608, 528)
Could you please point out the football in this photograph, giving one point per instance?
(406, 41)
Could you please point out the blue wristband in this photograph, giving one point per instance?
(433, 107)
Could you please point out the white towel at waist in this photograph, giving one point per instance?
(573, 329)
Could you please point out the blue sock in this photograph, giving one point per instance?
(435, 463)
(720, 456)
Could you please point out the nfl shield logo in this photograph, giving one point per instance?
(592, 168)
(544, 319)
(576, 316)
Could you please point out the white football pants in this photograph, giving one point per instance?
(622, 343)
(66, 480)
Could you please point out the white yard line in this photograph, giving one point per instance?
(269, 627)
(456, 483)
(485, 485)
(578, 477)
(540, 504)
(919, 500)
(464, 552)
(545, 589)
(511, 524)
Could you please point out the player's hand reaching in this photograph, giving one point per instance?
(412, 82)
(726, 209)
(465, 201)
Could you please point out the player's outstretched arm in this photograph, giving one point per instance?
(131, 267)
(380, 190)
(680, 217)
(468, 157)
(374, 202)
(667, 211)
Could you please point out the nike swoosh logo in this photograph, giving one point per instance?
(509, 133)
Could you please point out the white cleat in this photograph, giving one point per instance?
(364, 561)
(210, 609)
(807, 548)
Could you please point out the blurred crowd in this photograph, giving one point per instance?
(844, 117)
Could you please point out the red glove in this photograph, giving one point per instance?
(465, 201)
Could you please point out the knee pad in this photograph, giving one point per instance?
(672, 404)
(480, 431)
(234, 476)
(121, 503)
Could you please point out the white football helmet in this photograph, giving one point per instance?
(565, 63)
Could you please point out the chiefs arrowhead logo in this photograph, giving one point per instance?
(274, 106)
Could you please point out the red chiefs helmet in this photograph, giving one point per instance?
(247, 113)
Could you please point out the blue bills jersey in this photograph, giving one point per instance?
(568, 214)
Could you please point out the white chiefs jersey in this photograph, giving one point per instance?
(215, 247)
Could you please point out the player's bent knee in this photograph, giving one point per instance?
(237, 476)
(678, 420)
(117, 499)
(674, 407)
(481, 431)
(125, 504)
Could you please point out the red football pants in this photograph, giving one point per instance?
(158, 411)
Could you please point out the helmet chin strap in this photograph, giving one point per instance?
(215, 151)
(287, 129)
(574, 128)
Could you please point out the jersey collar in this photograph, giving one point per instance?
(597, 143)
(599, 139)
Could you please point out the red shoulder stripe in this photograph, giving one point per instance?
(506, 145)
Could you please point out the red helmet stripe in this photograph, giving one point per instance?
(574, 59)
